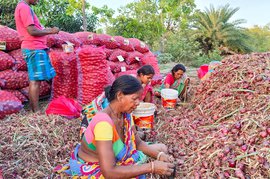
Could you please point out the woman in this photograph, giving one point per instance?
(144, 75)
(177, 80)
(110, 147)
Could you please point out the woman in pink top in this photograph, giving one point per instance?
(145, 75)
(177, 80)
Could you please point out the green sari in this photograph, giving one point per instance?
(178, 85)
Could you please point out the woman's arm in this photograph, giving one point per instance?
(169, 80)
(167, 85)
(110, 170)
(151, 150)
(148, 97)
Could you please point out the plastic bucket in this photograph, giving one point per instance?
(143, 115)
(169, 98)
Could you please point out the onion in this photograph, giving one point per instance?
(232, 163)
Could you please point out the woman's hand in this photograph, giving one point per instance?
(164, 157)
(163, 168)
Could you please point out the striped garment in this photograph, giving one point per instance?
(38, 64)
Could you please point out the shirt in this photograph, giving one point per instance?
(169, 79)
(24, 17)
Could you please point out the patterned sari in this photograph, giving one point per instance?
(178, 85)
(90, 110)
(125, 154)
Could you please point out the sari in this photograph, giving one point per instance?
(178, 85)
(125, 154)
(90, 110)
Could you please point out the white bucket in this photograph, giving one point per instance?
(143, 115)
(169, 98)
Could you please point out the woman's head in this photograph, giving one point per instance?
(126, 90)
(178, 71)
(146, 73)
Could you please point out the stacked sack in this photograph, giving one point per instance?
(66, 80)
(14, 83)
(91, 69)
(10, 81)
(80, 74)
(124, 55)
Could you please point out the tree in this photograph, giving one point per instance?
(260, 38)
(214, 29)
(65, 14)
(138, 20)
(104, 15)
(151, 20)
(7, 13)
(182, 46)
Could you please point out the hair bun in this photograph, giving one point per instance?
(108, 92)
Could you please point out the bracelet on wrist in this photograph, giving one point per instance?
(159, 155)
(152, 167)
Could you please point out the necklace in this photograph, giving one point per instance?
(118, 119)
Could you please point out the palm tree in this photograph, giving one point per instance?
(214, 30)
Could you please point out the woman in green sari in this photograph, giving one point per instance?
(177, 80)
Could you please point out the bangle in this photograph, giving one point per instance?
(159, 155)
(152, 167)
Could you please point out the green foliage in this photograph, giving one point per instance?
(165, 58)
(215, 29)
(139, 20)
(7, 13)
(65, 14)
(151, 20)
(206, 59)
(260, 38)
(175, 14)
(182, 46)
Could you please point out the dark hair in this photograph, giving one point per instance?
(178, 67)
(146, 70)
(126, 84)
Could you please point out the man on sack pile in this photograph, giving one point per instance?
(34, 48)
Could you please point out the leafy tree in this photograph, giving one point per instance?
(176, 14)
(260, 38)
(139, 20)
(215, 29)
(7, 13)
(65, 14)
(151, 20)
(182, 46)
(104, 14)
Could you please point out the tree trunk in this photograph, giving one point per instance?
(84, 16)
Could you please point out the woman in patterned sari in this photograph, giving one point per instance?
(110, 147)
(177, 80)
